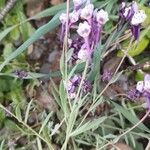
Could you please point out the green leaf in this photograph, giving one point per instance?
(136, 49)
(94, 124)
(6, 31)
(27, 111)
(2, 116)
(2, 145)
(2, 3)
(7, 50)
(96, 63)
(50, 11)
(11, 125)
(15, 34)
(63, 98)
(40, 32)
(18, 112)
(69, 54)
(45, 122)
(129, 116)
(139, 76)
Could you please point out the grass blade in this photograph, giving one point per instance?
(40, 32)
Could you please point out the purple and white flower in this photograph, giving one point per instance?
(73, 17)
(144, 88)
(78, 2)
(83, 54)
(134, 17)
(102, 17)
(107, 75)
(133, 94)
(87, 12)
(63, 18)
(138, 18)
(84, 29)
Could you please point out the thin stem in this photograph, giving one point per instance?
(65, 48)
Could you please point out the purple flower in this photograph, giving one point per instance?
(84, 29)
(102, 17)
(133, 94)
(87, 86)
(74, 83)
(21, 74)
(82, 54)
(78, 4)
(134, 17)
(144, 88)
(87, 12)
(73, 17)
(107, 75)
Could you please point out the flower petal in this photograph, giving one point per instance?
(140, 86)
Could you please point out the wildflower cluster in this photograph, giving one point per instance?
(133, 16)
(87, 23)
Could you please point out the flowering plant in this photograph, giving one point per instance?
(87, 105)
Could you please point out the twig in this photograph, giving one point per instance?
(10, 4)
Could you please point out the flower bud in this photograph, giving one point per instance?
(74, 16)
(102, 17)
(63, 18)
(84, 29)
(126, 11)
(134, 7)
(123, 5)
(78, 2)
(87, 12)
